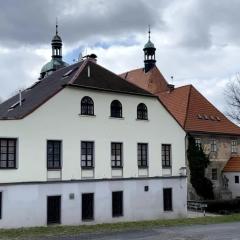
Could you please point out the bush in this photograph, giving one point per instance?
(223, 206)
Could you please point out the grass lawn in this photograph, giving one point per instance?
(30, 233)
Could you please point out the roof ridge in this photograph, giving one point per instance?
(80, 69)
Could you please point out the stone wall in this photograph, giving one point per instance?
(218, 159)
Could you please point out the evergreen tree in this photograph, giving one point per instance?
(198, 162)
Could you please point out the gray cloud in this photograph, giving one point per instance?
(198, 41)
(32, 22)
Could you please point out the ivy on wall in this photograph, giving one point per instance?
(198, 162)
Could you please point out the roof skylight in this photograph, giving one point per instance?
(15, 105)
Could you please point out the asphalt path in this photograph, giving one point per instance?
(226, 231)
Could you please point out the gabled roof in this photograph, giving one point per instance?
(233, 165)
(188, 106)
(152, 81)
(75, 75)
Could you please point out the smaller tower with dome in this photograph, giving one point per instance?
(56, 61)
(149, 54)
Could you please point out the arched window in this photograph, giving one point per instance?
(87, 106)
(116, 109)
(142, 112)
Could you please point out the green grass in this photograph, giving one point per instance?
(29, 233)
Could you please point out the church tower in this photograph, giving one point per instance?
(149, 54)
(57, 45)
(56, 61)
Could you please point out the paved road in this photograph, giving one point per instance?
(229, 231)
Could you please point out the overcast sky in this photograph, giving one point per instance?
(197, 41)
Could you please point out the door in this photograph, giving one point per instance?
(87, 206)
(53, 209)
(167, 199)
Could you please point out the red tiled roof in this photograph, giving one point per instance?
(188, 106)
(152, 81)
(233, 165)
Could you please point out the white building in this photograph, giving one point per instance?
(83, 145)
(231, 173)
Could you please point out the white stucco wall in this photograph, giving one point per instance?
(59, 119)
(25, 205)
(232, 186)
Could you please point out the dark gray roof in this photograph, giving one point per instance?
(75, 75)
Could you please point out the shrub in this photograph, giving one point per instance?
(223, 206)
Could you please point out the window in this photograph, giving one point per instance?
(167, 199)
(234, 146)
(214, 174)
(87, 149)
(8, 153)
(53, 154)
(116, 109)
(213, 145)
(236, 179)
(87, 106)
(166, 155)
(87, 206)
(117, 204)
(142, 155)
(198, 142)
(142, 112)
(116, 155)
(0, 205)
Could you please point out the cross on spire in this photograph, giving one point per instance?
(149, 32)
(56, 26)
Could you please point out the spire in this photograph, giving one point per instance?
(56, 61)
(149, 53)
(57, 44)
(56, 26)
(149, 33)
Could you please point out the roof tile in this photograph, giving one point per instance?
(233, 165)
(188, 106)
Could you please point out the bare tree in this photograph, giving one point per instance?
(232, 94)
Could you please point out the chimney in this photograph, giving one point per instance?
(171, 87)
(93, 57)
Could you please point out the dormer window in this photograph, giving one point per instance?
(87, 106)
(116, 109)
(142, 112)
